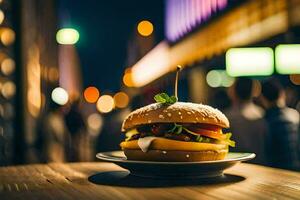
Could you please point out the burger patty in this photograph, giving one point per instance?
(181, 137)
(163, 130)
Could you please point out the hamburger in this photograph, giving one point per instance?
(176, 131)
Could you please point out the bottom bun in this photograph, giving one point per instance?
(174, 156)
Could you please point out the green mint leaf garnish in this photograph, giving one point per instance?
(165, 98)
(173, 99)
(159, 98)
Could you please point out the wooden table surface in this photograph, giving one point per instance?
(102, 181)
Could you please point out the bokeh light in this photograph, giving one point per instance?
(227, 80)
(8, 66)
(105, 104)
(91, 94)
(8, 89)
(121, 99)
(7, 36)
(2, 16)
(67, 36)
(145, 28)
(219, 78)
(214, 78)
(250, 61)
(127, 79)
(95, 122)
(60, 96)
(287, 58)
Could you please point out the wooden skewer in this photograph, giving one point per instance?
(176, 81)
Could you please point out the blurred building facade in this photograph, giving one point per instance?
(38, 62)
(197, 36)
(8, 82)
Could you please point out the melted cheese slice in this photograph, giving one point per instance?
(145, 142)
(158, 143)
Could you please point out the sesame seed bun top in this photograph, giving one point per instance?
(179, 112)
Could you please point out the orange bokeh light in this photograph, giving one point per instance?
(91, 94)
(7, 36)
(121, 99)
(127, 79)
(145, 28)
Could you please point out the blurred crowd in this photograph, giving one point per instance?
(62, 135)
(264, 124)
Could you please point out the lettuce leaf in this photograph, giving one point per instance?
(177, 129)
(228, 140)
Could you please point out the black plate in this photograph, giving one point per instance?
(201, 169)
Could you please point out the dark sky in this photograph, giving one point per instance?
(105, 27)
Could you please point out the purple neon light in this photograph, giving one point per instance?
(184, 15)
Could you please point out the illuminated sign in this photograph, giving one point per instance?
(287, 59)
(182, 16)
(250, 61)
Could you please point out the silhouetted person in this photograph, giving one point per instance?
(111, 135)
(283, 123)
(50, 141)
(77, 128)
(246, 120)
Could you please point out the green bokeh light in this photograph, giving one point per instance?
(67, 36)
(287, 59)
(257, 61)
(214, 78)
(219, 78)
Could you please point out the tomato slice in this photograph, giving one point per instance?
(209, 133)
